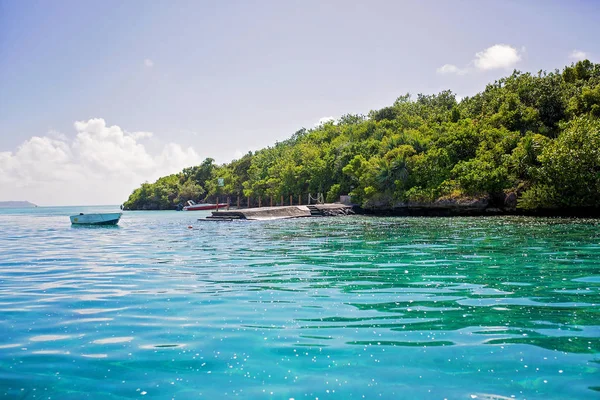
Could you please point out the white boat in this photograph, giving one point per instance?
(192, 206)
(96, 219)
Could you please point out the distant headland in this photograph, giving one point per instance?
(16, 204)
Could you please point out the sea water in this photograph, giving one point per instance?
(164, 306)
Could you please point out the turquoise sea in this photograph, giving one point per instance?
(163, 306)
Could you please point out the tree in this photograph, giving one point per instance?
(190, 190)
(569, 175)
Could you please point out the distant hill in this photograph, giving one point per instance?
(16, 204)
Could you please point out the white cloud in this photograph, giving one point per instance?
(497, 56)
(578, 55)
(54, 134)
(148, 63)
(101, 165)
(325, 120)
(451, 69)
(141, 135)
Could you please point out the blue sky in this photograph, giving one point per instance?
(159, 85)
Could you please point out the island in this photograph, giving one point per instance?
(16, 204)
(528, 143)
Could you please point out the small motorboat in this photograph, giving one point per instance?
(192, 206)
(96, 219)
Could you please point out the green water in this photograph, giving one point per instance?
(348, 307)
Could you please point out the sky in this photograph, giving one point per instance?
(97, 97)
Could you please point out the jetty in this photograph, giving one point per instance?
(281, 212)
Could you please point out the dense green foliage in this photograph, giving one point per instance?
(534, 135)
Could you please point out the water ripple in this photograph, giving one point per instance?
(414, 307)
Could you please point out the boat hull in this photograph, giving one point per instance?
(96, 219)
(200, 207)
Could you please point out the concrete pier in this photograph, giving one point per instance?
(283, 212)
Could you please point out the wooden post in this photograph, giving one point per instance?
(248, 201)
(238, 201)
(290, 199)
(299, 199)
(217, 204)
(281, 201)
(259, 201)
(228, 201)
(271, 201)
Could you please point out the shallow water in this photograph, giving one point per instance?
(348, 307)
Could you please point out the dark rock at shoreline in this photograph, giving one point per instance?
(440, 207)
(510, 201)
(447, 207)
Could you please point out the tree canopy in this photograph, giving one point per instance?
(533, 135)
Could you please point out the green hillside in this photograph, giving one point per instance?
(528, 140)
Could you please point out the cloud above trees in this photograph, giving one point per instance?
(101, 165)
(325, 120)
(498, 56)
(578, 55)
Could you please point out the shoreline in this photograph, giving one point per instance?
(444, 212)
(421, 210)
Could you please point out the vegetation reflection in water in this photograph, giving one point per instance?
(327, 308)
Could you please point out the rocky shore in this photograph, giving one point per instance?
(481, 206)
